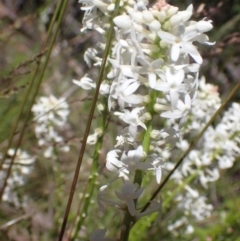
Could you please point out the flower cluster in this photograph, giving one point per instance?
(154, 77)
(217, 150)
(50, 113)
(22, 167)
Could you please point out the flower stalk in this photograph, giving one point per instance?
(151, 53)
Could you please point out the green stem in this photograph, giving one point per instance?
(128, 219)
(140, 228)
(93, 174)
(127, 224)
(230, 95)
(180, 187)
(89, 122)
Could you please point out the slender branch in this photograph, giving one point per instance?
(91, 186)
(128, 219)
(89, 122)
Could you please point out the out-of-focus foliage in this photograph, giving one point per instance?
(23, 26)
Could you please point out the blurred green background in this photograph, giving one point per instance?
(23, 26)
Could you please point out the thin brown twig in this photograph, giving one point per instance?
(87, 130)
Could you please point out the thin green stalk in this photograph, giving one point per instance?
(34, 94)
(89, 122)
(180, 187)
(93, 174)
(145, 222)
(127, 223)
(30, 86)
(128, 219)
(225, 102)
(146, 138)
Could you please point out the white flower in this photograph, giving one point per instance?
(181, 16)
(85, 82)
(113, 164)
(189, 229)
(182, 40)
(128, 194)
(157, 168)
(22, 166)
(177, 224)
(123, 21)
(133, 160)
(103, 199)
(132, 118)
(51, 109)
(92, 139)
(140, 68)
(208, 176)
(104, 88)
(48, 153)
(225, 161)
(120, 141)
(91, 55)
(182, 108)
(199, 209)
(193, 193)
(22, 157)
(173, 84)
(124, 93)
(151, 69)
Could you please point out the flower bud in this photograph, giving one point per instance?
(171, 11)
(203, 26)
(122, 21)
(154, 25)
(147, 16)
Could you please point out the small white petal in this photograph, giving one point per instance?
(175, 52)
(186, 15)
(175, 19)
(176, 114)
(152, 80)
(190, 8)
(122, 21)
(204, 26)
(190, 35)
(172, 10)
(203, 39)
(154, 25)
(129, 86)
(134, 99)
(192, 51)
(167, 37)
(158, 175)
(174, 98)
(147, 16)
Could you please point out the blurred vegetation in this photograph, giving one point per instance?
(23, 28)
